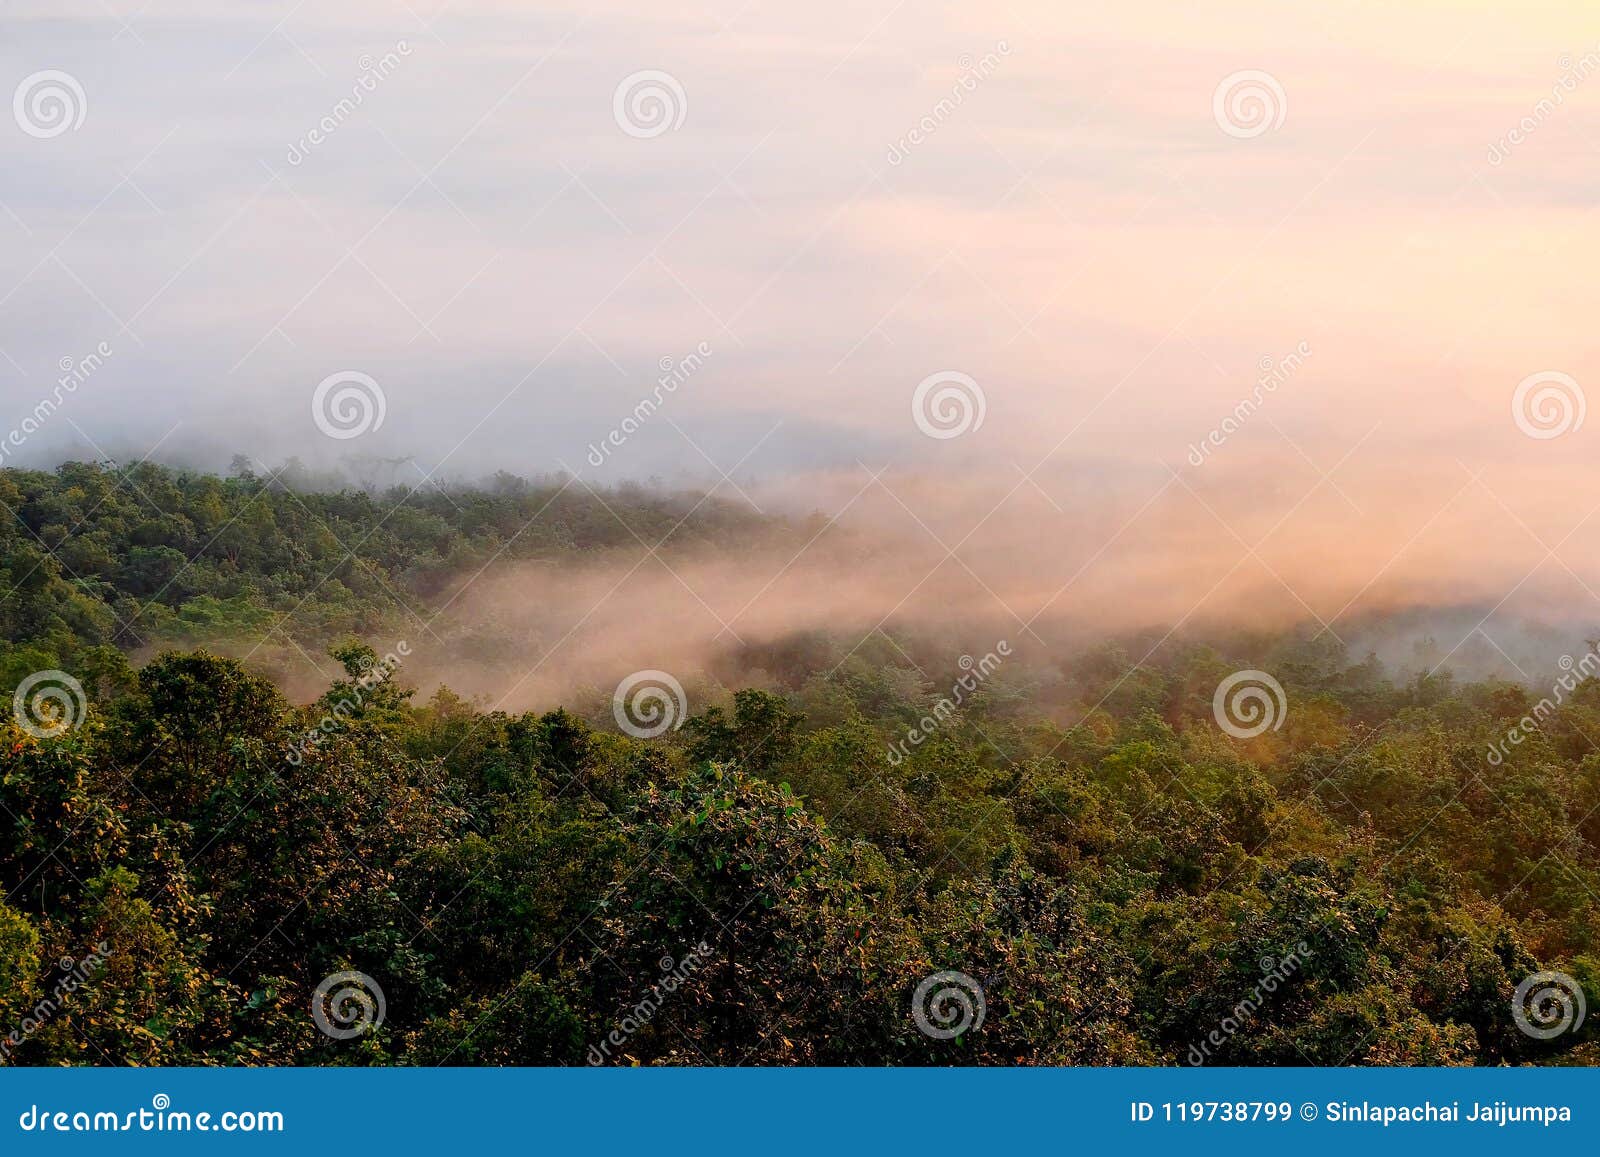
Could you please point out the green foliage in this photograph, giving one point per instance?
(769, 885)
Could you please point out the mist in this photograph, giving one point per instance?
(1036, 323)
(917, 571)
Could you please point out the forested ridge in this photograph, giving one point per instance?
(1122, 880)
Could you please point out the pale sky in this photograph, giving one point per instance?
(1085, 234)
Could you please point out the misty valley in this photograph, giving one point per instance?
(428, 763)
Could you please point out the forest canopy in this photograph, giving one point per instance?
(1085, 862)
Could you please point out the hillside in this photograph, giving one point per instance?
(1068, 858)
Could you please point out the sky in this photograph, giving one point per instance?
(1301, 290)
